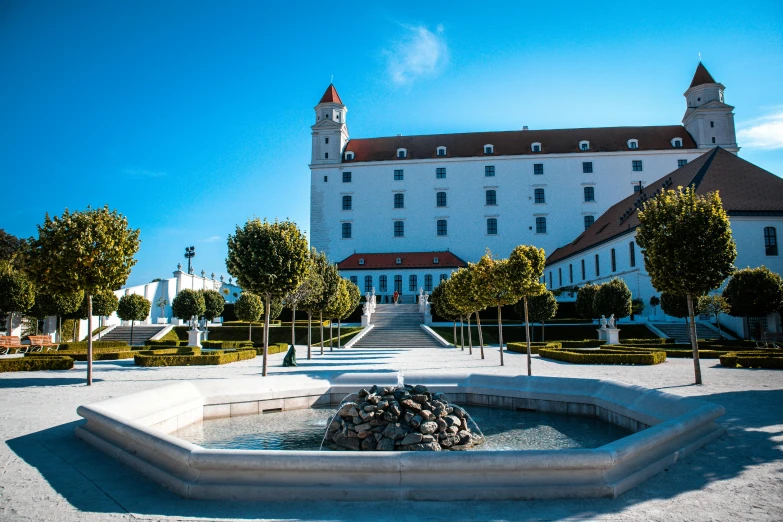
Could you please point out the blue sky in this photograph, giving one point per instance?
(191, 117)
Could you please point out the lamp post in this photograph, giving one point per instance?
(190, 253)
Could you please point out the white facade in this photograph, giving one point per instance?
(407, 281)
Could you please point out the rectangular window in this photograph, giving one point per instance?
(713, 139)
(398, 284)
(440, 172)
(559, 277)
(489, 171)
(491, 197)
(412, 284)
(538, 195)
(399, 200)
(550, 279)
(443, 277)
(347, 202)
(326, 178)
(589, 220)
(637, 188)
(346, 177)
(368, 283)
(587, 167)
(492, 226)
(346, 231)
(632, 253)
(440, 199)
(354, 279)
(712, 124)
(398, 175)
(399, 229)
(770, 241)
(614, 261)
(597, 266)
(589, 194)
(538, 169)
(383, 283)
(682, 162)
(428, 282)
(442, 227)
(584, 274)
(636, 165)
(540, 225)
(570, 274)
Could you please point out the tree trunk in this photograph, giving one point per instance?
(694, 340)
(461, 334)
(100, 327)
(454, 326)
(500, 336)
(89, 320)
(89, 339)
(481, 337)
(60, 329)
(527, 338)
(309, 334)
(543, 340)
(470, 338)
(717, 324)
(293, 330)
(267, 310)
(250, 331)
(331, 336)
(339, 321)
(321, 323)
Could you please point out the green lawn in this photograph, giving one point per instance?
(555, 332)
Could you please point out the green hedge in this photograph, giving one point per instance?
(226, 344)
(534, 347)
(165, 342)
(586, 343)
(756, 359)
(32, 364)
(81, 346)
(682, 351)
(194, 360)
(276, 335)
(273, 322)
(604, 356)
(186, 350)
(657, 340)
(273, 348)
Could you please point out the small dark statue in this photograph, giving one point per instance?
(290, 357)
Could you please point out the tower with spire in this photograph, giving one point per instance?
(707, 118)
(330, 132)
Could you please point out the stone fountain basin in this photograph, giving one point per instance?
(134, 429)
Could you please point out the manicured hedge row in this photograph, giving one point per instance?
(534, 347)
(185, 350)
(273, 348)
(757, 359)
(32, 364)
(658, 340)
(194, 360)
(604, 356)
(585, 343)
(165, 342)
(682, 351)
(273, 322)
(226, 344)
(81, 346)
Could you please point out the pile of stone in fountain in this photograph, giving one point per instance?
(409, 418)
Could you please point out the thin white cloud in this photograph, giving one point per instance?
(210, 239)
(143, 173)
(763, 133)
(419, 53)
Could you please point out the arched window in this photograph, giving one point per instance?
(347, 202)
(440, 199)
(584, 145)
(441, 151)
(538, 196)
(383, 282)
(589, 220)
(368, 283)
(399, 200)
(412, 284)
(346, 231)
(614, 260)
(771, 241)
(677, 143)
(428, 282)
(632, 253)
(491, 197)
(402, 153)
(633, 144)
(489, 149)
(349, 156)
(589, 194)
(399, 229)
(535, 147)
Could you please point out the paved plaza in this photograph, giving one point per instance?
(48, 474)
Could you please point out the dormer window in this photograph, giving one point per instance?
(361, 261)
(489, 149)
(398, 261)
(633, 144)
(535, 147)
(677, 143)
(584, 145)
(435, 261)
(349, 156)
(402, 153)
(441, 151)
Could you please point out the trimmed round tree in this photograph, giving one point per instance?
(17, 293)
(90, 251)
(442, 306)
(754, 292)
(188, 304)
(688, 248)
(269, 259)
(354, 297)
(613, 298)
(330, 280)
(714, 305)
(527, 267)
(541, 308)
(58, 305)
(132, 307)
(249, 307)
(337, 306)
(655, 301)
(104, 303)
(674, 305)
(585, 301)
(213, 305)
(496, 277)
(307, 290)
(460, 288)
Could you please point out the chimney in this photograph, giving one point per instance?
(525, 127)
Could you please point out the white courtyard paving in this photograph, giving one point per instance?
(48, 474)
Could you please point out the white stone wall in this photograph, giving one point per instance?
(372, 189)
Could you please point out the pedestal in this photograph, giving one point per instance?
(428, 319)
(365, 320)
(610, 335)
(194, 338)
(162, 320)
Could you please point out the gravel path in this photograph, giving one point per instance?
(48, 474)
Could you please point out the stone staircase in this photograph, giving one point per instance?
(141, 332)
(397, 326)
(679, 331)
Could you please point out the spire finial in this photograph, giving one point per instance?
(331, 80)
(699, 57)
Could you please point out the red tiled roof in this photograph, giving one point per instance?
(409, 260)
(702, 76)
(512, 143)
(331, 96)
(744, 189)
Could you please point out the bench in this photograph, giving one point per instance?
(770, 340)
(12, 342)
(39, 342)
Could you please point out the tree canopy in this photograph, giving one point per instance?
(17, 292)
(188, 304)
(754, 292)
(133, 307)
(613, 297)
(674, 305)
(249, 307)
(585, 301)
(104, 303)
(213, 304)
